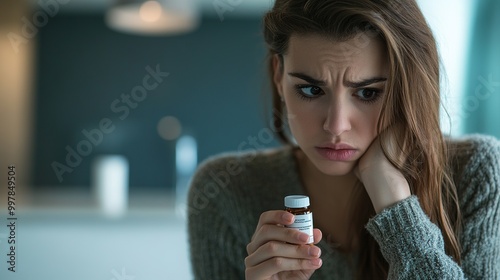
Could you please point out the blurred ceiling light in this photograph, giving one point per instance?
(151, 11)
(153, 17)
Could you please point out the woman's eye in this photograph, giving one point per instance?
(309, 91)
(368, 94)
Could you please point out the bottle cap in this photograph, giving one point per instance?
(296, 201)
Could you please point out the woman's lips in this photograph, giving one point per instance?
(336, 154)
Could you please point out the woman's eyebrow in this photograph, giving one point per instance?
(308, 79)
(365, 82)
(319, 83)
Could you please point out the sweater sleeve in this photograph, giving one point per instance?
(480, 204)
(215, 249)
(414, 247)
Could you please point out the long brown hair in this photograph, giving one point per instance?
(412, 102)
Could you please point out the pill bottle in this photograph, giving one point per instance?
(298, 205)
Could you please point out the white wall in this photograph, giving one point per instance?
(450, 21)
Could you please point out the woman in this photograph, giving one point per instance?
(355, 89)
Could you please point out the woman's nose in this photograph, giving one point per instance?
(338, 119)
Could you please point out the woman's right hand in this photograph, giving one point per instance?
(277, 252)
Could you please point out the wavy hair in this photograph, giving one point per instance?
(412, 102)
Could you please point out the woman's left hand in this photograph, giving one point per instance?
(384, 183)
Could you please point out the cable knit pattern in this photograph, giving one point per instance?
(230, 191)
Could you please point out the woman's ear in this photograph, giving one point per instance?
(278, 73)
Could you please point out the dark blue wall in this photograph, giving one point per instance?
(216, 88)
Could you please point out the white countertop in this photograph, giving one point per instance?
(65, 236)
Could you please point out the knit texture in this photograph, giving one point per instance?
(229, 192)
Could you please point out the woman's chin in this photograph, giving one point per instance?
(335, 168)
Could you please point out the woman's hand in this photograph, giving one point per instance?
(277, 252)
(383, 182)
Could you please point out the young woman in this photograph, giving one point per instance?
(355, 87)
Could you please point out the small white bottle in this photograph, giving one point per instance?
(298, 205)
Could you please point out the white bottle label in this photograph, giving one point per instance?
(304, 223)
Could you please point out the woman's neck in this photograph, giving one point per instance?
(315, 181)
(331, 202)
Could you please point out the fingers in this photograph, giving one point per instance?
(275, 217)
(269, 232)
(279, 264)
(318, 235)
(289, 250)
(395, 144)
(273, 249)
(269, 219)
(268, 229)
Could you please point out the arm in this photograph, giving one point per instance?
(411, 244)
(214, 247)
(414, 246)
(220, 225)
(480, 204)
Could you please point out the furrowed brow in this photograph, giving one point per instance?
(365, 82)
(308, 79)
(320, 83)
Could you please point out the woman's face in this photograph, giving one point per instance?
(332, 92)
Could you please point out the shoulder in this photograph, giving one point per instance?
(244, 174)
(474, 143)
(475, 161)
(244, 163)
(475, 151)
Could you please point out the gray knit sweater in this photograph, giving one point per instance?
(229, 192)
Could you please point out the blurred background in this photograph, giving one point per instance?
(107, 107)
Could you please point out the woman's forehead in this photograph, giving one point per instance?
(320, 55)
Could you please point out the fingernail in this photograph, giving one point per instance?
(314, 251)
(288, 217)
(316, 262)
(303, 237)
